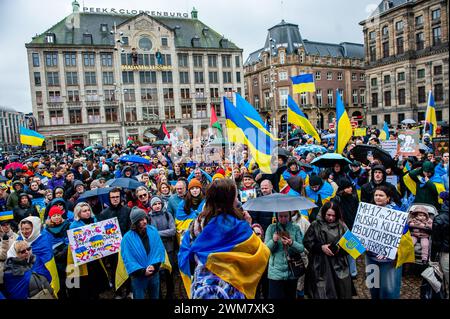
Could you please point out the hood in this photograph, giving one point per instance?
(54, 202)
(17, 182)
(378, 168)
(126, 168)
(18, 267)
(36, 221)
(77, 182)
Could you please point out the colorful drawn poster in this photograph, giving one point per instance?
(94, 241)
(408, 142)
(440, 145)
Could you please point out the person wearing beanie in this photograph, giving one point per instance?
(143, 252)
(425, 185)
(199, 174)
(249, 189)
(217, 176)
(358, 176)
(80, 188)
(319, 192)
(24, 208)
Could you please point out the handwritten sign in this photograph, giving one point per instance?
(390, 146)
(94, 241)
(379, 228)
(409, 142)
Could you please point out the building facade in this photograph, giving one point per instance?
(286, 54)
(10, 120)
(101, 78)
(406, 45)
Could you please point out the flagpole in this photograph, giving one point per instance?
(287, 127)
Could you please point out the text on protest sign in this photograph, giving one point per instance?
(390, 146)
(379, 228)
(94, 241)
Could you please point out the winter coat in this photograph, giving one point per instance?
(59, 241)
(5, 244)
(121, 212)
(20, 212)
(349, 205)
(440, 234)
(278, 266)
(13, 199)
(165, 224)
(56, 182)
(173, 203)
(426, 193)
(367, 190)
(327, 277)
(68, 213)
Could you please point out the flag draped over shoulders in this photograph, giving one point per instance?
(229, 249)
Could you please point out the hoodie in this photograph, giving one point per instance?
(68, 214)
(368, 189)
(13, 199)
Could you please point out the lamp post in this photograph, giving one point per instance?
(119, 85)
(272, 80)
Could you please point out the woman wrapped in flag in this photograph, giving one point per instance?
(220, 256)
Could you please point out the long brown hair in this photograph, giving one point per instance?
(220, 198)
(188, 201)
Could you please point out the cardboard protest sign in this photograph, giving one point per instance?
(390, 146)
(409, 142)
(94, 241)
(379, 228)
(392, 179)
(360, 131)
(440, 145)
(247, 194)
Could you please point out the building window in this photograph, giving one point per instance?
(330, 97)
(184, 77)
(319, 97)
(111, 115)
(73, 96)
(201, 111)
(436, 14)
(129, 95)
(87, 39)
(90, 78)
(186, 111)
(421, 116)
(339, 76)
(401, 97)
(362, 96)
(385, 49)
(387, 118)
(318, 76)
(303, 99)
(183, 60)
(387, 79)
(437, 36)
(400, 48)
(169, 111)
(373, 82)
(91, 95)
(71, 78)
(387, 98)
(212, 61)
(54, 96)
(166, 59)
(110, 95)
(362, 77)
(167, 77)
(373, 53)
(420, 41)
(56, 117)
(37, 78)
(213, 77)
(227, 77)
(420, 73)
(283, 76)
(341, 93)
(150, 113)
(385, 31)
(438, 92)
(238, 77)
(438, 116)
(374, 100)
(147, 77)
(106, 59)
(184, 93)
(226, 61)
(130, 114)
(127, 77)
(214, 92)
(437, 70)
(401, 76)
(372, 35)
(164, 42)
(108, 78)
(50, 38)
(419, 21)
(51, 58)
(354, 77)
(200, 93)
(400, 117)
(38, 98)
(70, 59)
(198, 61)
(374, 120)
(399, 25)
(237, 61)
(282, 58)
(168, 93)
(145, 43)
(75, 116)
(125, 41)
(89, 59)
(355, 97)
(52, 78)
(421, 95)
(149, 94)
(35, 57)
(198, 77)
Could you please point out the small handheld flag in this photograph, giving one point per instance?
(351, 244)
(30, 137)
(6, 215)
(303, 83)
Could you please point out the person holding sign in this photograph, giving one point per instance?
(328, 273)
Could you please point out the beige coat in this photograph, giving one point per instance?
(4, 247)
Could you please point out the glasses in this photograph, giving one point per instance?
(142, 195)
(24, 250)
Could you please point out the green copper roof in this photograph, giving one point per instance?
(185, 31)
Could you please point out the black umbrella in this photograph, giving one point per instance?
(128, 183)
(32, 159)
(95, 192)
(359, 153)
(278, 203)
(282, 152)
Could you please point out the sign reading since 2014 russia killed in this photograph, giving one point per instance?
(379, 228)
(94, 241)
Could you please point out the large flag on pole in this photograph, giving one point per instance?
(303, 83)
(297, 117)
(30, 137)
(163, 133)
(241, 130)
(343, 126)
(215, 122)
(430, 118)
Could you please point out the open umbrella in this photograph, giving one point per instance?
(278, 203)
(281, 152)
(293, 140)
(95, 192)
(329, 159)
(312, 148)
(160, 142)
(329, 136)
(408, 121)
(144, 148)
(134, 159)
(14, 157)
(128, 183)
(359, 153)
(32, 159)
(14, 165)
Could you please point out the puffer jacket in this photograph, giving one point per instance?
(278, 266)
(165, 224)
(5, 244)
(440, 234)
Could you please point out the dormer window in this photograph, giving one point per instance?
(224, 43)
(50, 38)
(87, 38)
(195, 42)
(103, 27)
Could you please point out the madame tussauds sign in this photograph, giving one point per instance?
(135, 12)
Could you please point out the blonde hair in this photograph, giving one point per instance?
(20, 245)
(77, 210)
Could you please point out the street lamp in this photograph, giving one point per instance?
(272, 80)
(119, 86)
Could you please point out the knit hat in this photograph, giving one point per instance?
(345, 183)
(428, 167)
(315, 180)
(55, 210)
(194, 183)
(248, 175)
(154, 200)
(137, 214)
(218, 176)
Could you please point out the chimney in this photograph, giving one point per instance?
(194, 14)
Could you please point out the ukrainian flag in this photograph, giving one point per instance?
(230, 250)
(384, 134)
(430, 117)
(351, 244)
(297, 117)
(251, 114)
(405, 251)
(303, 83)
(241, 130)
(6, 215)
(30, 137)
(343, 126)
(411, 182)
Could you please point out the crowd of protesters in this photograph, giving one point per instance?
(154, 217)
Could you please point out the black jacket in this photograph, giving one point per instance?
(349, 205)
(367, 190)
(123, 216)
(20, 212)
(440, 234)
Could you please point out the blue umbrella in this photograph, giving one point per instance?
(329, 159)
(95, 192)
(128, 183)
(134, 159)
(328, 136)
(310, 148)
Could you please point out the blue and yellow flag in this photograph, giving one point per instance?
(430, 117)
(230, 250)
(351, 244)
(405, 251)
(30, 137)
(343, 126)
(303, 83)
(6, 215)
(251, 114)
(297, 117)
(241, 130)
(384, 134)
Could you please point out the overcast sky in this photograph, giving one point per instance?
(245, 22)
